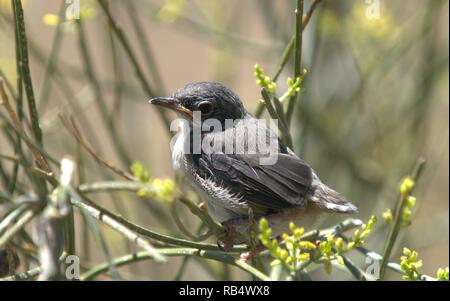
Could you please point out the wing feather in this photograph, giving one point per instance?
(282, 185)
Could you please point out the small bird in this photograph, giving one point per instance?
(231, 183)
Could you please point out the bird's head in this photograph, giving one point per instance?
(211, 100)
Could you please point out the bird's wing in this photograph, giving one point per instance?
(278, 186)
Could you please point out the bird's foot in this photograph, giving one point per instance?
(225, 240)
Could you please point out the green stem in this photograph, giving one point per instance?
(393, 266)
(52, 59)
(21, 222)
(106, 216)
(282, 126)
(19, 108)
(25, 69)
(136, 186)
(117, 225)
(145, 45)
(395, 229)
(99, 97)
(132, 57)
(288, 50)
(11, 217)
(297, 57)
(30, 142)
(139, 256)
(30, 274)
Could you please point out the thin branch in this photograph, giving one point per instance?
(202, 213)
(288, 50)
(297, 57)
(132, 57)
(28, 275)
(278, 115)
(393, 266)
(218, 256)
(4, 100)
(396, 225)
(106, 216)
(99, 97)
(21, 222)
(72, 128)
(145, 45)
(130, 234)
(183, 229)
(25, 68)
(52, 60)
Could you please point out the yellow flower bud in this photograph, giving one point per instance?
(387, 215)
(303, 256)
(410, 201)
(50, 20)
(406, 186)
(263, 224)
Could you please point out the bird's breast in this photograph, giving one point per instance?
(180, 147)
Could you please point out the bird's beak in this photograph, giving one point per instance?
(171, 103)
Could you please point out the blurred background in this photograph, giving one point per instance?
(376, 98)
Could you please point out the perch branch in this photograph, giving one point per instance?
(218, 256)
(106, 216)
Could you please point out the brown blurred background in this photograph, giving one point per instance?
(376, 98)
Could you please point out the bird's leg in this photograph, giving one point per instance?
(237, 229)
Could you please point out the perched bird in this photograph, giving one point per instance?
(231, 182)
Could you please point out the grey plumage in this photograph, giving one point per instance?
(233, 183)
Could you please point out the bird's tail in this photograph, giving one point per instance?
(324, 197)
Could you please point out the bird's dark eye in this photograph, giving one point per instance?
(206, 107)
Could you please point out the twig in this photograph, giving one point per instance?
(184, 263)
(109, 186)
(106, 216)
(101, 240)
(4, 100)
(52, 59)
(354, 270)
(288, 50)
(118, 226)
(30, 274)
(297, 57)
(10, 218)
(390, 265)
(99, 97)
(25, 68)
(132, 57)
(145, 45)
(29, 169)
(72, 128)
(19, 106)
(276, 114)
(21, 222)
(417, 171)
(136, 186)
(218, 256)
(183, 229)
(202, 213)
